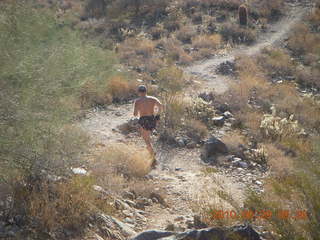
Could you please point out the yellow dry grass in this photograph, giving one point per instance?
(126, 159)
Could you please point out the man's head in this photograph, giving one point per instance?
(142, 90)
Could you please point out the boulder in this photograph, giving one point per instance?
(244, 232)
(212, 147)
(218, 121)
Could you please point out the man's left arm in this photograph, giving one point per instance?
(135, 109)
(159, 105)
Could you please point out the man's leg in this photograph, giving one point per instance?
(146, 137)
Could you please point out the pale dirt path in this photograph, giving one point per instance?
(206, 70)
(180, 169)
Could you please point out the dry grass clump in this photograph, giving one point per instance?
(288, 101)
(235, 143)
(116, 89)
(185, 34)
(314, 18)
(120, 89)
(175, 52)
(91, 96)
(270, 9)
(65, 204)
(133, 46)
(235, 34)
(294, 191)
(196, 130)
(302, 41)
(276, 63)
(125, 159)
(207, 41)
(280, 163)
(222, 4)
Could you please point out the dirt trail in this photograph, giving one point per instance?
(206, 70)
(180, 170)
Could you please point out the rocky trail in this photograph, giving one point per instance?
(186, 179)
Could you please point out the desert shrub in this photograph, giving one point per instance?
(125, 159)
(308, 78)
(278, 161)
(235, 143)
(296, 193)
(175, 52)
(171, 80)
(201, 110)
(185, 34)
(276, 63)
(270, 9)
(133, 46)
(171, 23)
(43, 67)
(65, 204)
(154, 65)
(236, 34)
(138, 11)
(91, 96)
(204, 41)
(275, 127)
(196, 18)
(314, 18)
(302, 41)
(196, 130)
(95, 8)
(222, 4)
(171, 83)
(157, 32)
(120, 89)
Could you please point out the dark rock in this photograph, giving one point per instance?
(150, 235)
(159, 198)
(208, 97)
(197, 223)
(129, 195)
(213, 147)
(244, 232)
(226, 68)
(191, 145)
(223, 107)
(218, 121)
(170, 227)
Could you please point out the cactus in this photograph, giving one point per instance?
(243, 15)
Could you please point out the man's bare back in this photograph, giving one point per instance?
(146, 105)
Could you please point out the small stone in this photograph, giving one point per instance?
(127, 213)
(129, 220)
(129, 195)
(258, 182)
(79, 171)
(191, 145)
(243, 164)
(178, 219)
(181, 143)
(227, 114)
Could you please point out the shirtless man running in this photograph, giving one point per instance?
(145, 107)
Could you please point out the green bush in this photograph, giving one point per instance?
(43, 66)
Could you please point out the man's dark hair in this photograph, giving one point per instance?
(142, 89)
